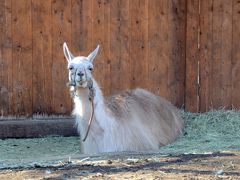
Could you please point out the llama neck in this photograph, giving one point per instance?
(83, 105)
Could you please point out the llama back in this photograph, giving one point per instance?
(156, 119)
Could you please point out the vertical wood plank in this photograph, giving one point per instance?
(221, 57)
(5, 58)
(61, 32)
(216, 56)
(192, 56)
(236, 55)
(100, 35)
(42, 57)
(106, 47)
(205, 71)
(139, 43)
(177, 51)
(158, 53)
(119, 45)
(81, 27)
(227, 54)
(22, 57)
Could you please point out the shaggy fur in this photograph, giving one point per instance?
(134, 120)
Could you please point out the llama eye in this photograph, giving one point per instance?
(90, 68)
(70, 68)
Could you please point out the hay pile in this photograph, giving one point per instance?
(216, 130)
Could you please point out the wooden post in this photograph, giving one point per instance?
(192, 56)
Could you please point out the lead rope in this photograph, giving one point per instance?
(91, 98)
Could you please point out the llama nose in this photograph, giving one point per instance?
(80, 74)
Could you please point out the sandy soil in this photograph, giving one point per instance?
(185, 166)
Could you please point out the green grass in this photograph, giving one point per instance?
(217, 130)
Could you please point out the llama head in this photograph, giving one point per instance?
(80, 67)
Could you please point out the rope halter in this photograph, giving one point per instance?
(91, 96)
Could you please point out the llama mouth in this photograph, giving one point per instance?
(81, 83)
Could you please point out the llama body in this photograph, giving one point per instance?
(134, 120)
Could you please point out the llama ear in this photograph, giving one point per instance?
(93, 54)
(67, 53)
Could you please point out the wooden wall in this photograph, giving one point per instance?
(216, 28)
(185, 50)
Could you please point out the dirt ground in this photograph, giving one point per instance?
(225, 165)
(209, 148)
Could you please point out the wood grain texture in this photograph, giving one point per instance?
(186, 51)
(42, 57)
(81, 29)
(221, 57)
(5, 58)
(139, 43)
(227, 35)
(22, 57)
(236, 55)
(216, 54)
(100, 35)
(206, 48)
(158, 53)
(61, 32)
(192, 56)
(177, 51)
(119, 46)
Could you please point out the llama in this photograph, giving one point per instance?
(134, 120)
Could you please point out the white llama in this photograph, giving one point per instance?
(134, 120)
